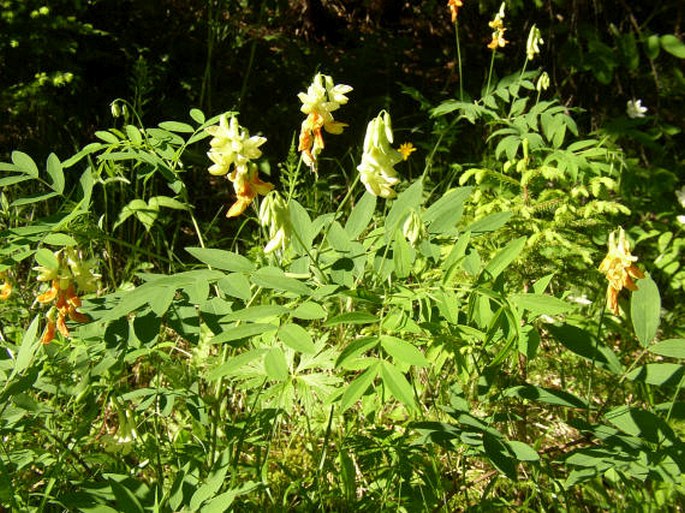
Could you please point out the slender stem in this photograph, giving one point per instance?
(197, 230)
(429, 159)
(459, 65)
(250, 61)
(205, 91)
(492, 65)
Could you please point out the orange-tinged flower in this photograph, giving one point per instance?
(69, 271)
(50, 295)
(62, 326)
(49, 333)
(247, 186)
(498, 35)
(322, 98)
(619, 269)
(454, 6)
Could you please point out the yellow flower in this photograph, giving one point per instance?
(247, 185)
(454, 6)
(231, 145)
(5, 288)
(82, 271)
(69, 269)
(274, 214)
(376, 170)
(619, 269)
(498, 35)
(533, 43)
(406, 149)
(543, 82)
(321, 99)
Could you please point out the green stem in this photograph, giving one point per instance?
(429, 159)
(492, 65)
(205, 90)
(459, 64)
(250, 61)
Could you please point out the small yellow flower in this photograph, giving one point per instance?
(5, 288)
(406, 149)
(498, 35)
(454, 6)
(619, 269)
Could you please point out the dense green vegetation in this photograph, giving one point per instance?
(307, 255)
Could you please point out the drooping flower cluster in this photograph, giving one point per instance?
(66, 272)
(497, 25)
(533, 43)
(454, 6)
(543, 82)
(619, 268)
(376, 169)
(322, 98)
(232, 152)
(274, 214)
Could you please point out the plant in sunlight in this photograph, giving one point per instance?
(232, 152)
(274, 215)
(619, 268)
(376, 170)
(66, 272)
(321, 99)
(369, 340)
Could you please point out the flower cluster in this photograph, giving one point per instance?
(322, 98)
(543, 82)
(232, 152)
(65, 272)
(619, 268)
(376, 169)
(274, 214)
(454, 6)
(498, 30)
(533, 43)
